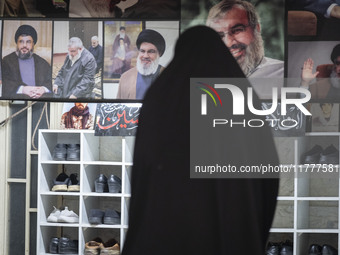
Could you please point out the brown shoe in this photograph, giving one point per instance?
(92, 248)
(111, 247)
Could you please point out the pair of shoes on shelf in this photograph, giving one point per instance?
(63, 152)
(326, 249)
(65, 183)
(97, 247)
(317, 155)
(285, 248)
(110, 217)
(112, 185)
(63, 245)
(65, 216)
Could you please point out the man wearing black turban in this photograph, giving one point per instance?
(170, 213)
(135, 82)
(327, 87)
(25, 74)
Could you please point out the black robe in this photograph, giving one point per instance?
(97, 52)
(77, 79)
(11, 78)
(173, 214)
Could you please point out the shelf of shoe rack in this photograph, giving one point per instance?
(308, 206)
(114, 154)
(107, 155)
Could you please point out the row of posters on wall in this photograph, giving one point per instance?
(81, 59)
(115, 41)
(121, 119)
(113, 61)
(107, 119)
(116, 51)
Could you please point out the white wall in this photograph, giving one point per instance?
(170, 31)
(61, 36)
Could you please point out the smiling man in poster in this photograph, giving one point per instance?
(238, 25)
(135, 82)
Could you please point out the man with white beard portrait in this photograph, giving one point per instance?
(324, 87)
(135, 82)
(238, 25)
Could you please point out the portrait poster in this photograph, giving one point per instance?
(123, 61)
(34, 52)
(73, 81)
(116, 119)
(307, 58)
(120, 47)
(325, 117)
(78, 116)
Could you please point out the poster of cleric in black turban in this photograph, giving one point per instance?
(135, 56)
(26, 59)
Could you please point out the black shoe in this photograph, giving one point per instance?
(312, 156)
(115, 184)
(315, 249)
(329, 250)
(73, 152)
(68, 246)
(273, 249)
(61, 182)
(73, 183)
(96, 216)
(286, 248)
(329, 156)
(112, 217)
(59, 152)
(54, 243)
(100, 184)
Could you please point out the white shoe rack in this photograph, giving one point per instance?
(307, 211)
(98, 155)
(308, 204)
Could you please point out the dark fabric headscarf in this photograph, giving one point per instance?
(173, 214)
(76, 112)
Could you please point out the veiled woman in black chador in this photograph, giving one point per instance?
(170, 213)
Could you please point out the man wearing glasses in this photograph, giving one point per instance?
(326, 87)
(134, 82)
(237, 22)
